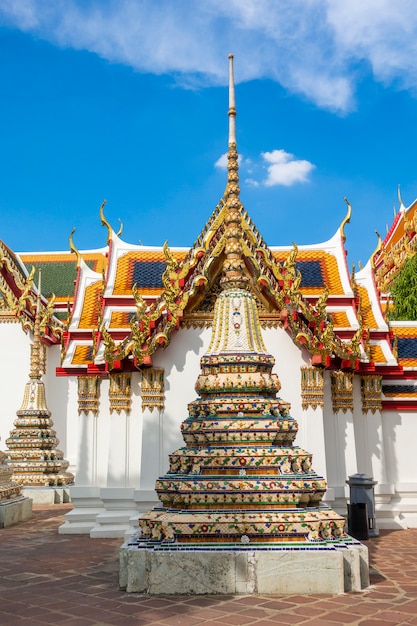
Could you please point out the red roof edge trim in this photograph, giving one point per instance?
(399, 405)
(393, 226)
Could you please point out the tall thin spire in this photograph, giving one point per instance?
(232, 104)
(35, 356)
(233, 266)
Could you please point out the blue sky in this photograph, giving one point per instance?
(127, 100)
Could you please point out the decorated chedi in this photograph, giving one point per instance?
(239, 479)
(32, 445)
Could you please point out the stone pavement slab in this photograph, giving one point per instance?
(46, 578)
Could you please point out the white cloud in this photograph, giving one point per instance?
(380, 31)
(284, 169)
(221, 162)
(310, 47)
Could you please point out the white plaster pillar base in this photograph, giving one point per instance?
(398, 508)
(87, 505)
(118, 509)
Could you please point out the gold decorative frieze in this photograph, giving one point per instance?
(119, 392)
(371, 392)
(342, 391)
(312, 387)
(88, 394)
(153, 389)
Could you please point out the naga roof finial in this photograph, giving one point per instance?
(104, 222)
(346, 220)
(233, 265)
(73, 248)
(400, 200)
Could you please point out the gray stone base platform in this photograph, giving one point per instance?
(334, 569)
(47, 495)
(15, 511)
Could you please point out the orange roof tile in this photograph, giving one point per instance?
(82, 355)
(368, 317)
(89, 315)
(318, 268)
(144, 268)
(406, 345)
(120, 319)
(340, 319)
(377, 355)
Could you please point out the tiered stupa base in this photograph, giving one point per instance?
(285, 568)
(14, 507)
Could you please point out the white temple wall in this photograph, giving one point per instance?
(399, 437)
(288, 362)
(14, 374)
(63, 406)
(181, 362)
(338, 430)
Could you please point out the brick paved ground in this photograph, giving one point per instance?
(46, 578)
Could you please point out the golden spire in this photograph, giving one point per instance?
(233, 265)
(35, 355)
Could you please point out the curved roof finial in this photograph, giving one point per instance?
(399, 196)
(73, 248)
(377, 249)
(104, 222)
(346, 219)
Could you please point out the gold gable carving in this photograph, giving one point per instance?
(342, 391)
(153, 389)
(120, 392)
(371, 392)
(312, 387)
(88, 394)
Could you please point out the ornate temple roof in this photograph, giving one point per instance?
(399, 244)
(170, 287)
(104, 289)
(59, 271)
(19, 297)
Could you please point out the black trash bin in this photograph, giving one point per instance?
(362, 493)
(358, 521)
